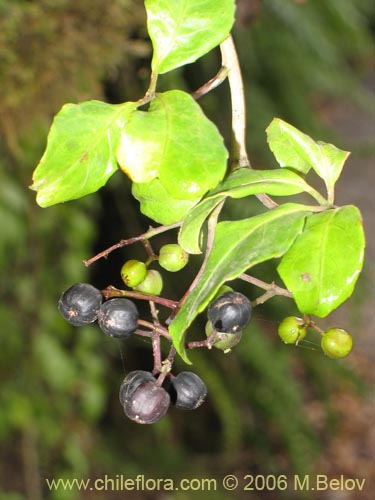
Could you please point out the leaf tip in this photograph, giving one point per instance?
(182, 352)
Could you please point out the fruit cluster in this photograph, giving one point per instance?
(142, 396)
(336, 343)
(145, 401)
(135, 273)
(146, 396)
(82, 304)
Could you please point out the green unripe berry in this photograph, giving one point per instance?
(172, 257)
(291, 330)
(223, 341)
(336, 343)
(152, 284)
(133, 272)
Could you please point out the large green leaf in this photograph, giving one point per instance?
(80, 154)
(238, 245)
(322, 266)
(176, 143)
(239, 184)
(157, 204)
(293, 148)
(184, 30)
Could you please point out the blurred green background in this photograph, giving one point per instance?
(271, 409)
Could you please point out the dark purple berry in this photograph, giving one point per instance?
(148, 403)
(131, 382)
(80, 304)
(118, 318)
(187, 391)
(230, 313)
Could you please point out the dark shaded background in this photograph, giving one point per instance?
(271, 409)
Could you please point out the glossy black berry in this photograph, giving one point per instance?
(230, 313)
(147, 404)
(118, 317)
(187, 391)
(80, 304)
(131, 383)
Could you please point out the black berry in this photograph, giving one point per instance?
(148, 403)
(187, 391)
(118, 318)
(230, 313)
(80, 304)
(131, 383)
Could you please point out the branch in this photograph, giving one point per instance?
(111, 292)
(167, 364)
(208, 342)
(214, 82)
(271, 288)
(153, 231)
(238, 154)
(154, 328)
(230, 61)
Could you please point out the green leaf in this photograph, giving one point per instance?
(290, 147)
(189, 236)
(238, 245)
(175, 142)
(293, 148)
(181, 31)
(244, 182)
(80, 154)
(322, 266)
(330, 164)
(239, 184)
(157, 204)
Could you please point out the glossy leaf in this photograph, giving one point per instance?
(239, 184)
(322, 266)
(189, 236)
(181, 31)
(158, 205)
(289, 145)
(330, 164)
(238, 245)
(293, 148)
(176, 143)
(80, 154)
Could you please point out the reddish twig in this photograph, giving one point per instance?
(276, 290)
(153, 231)
(111, 292)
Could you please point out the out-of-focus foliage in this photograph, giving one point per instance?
(60, 415)
(52, 52)
(297, 55)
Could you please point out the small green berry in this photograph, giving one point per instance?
(336, 343)
(172, 257)
(223, 341)
(152, 284)
(291, 330)
(133, 272)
